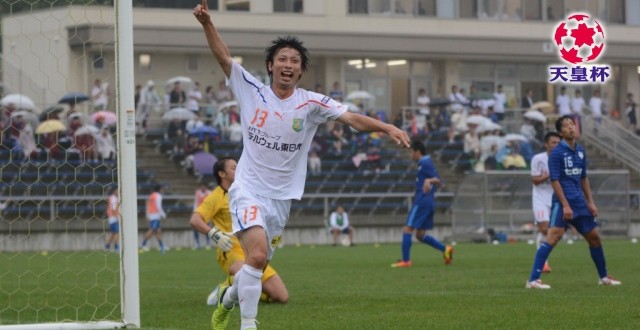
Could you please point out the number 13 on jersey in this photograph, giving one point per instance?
(250, 214)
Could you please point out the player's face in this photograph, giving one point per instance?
(551, 143)
(286, 68)
(415, 155)
(568, 129)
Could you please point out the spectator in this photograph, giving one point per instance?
(513, 160)
(27, 141)
(222, 123)
(315, 163)
(149, 99)
(319, 89)
(179, 143)
(223, 94)
(177, 96)
(336, 93)
(595, 105)
(174, 125)
(422, 117)
(337, 139)
(563, 103)
(458, 101)
(577, 104)
(339, 224)
(194, 98)
(630, 111)
(105, 145)
(100, 95)
(194, 123)
(210, 102)
(136, 95)
(235, 131)
(527, 99)
(500, 99)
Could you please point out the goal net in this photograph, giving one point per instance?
(66, 141)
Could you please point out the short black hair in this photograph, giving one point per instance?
(560, 120)
(219, 166)
(158, 188)
(417, 145)
(286, 42)
(549, 135)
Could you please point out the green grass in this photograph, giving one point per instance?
(354, 288)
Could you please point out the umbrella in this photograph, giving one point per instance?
(227, 104)
(27, 116)
(515, 137)
(184, 82)
(50, 126)
(203, 163)
(19, 101)
(488, 126)
(360, 95)
(541, 105)
(109, 117)
(178, 113)
(73, 98)
(439, 102)
(50, 111)
(204, 130)
(75, 114)
(535, 115)
(351, 107)
(87, 129)
(476, 120)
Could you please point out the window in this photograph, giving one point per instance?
(532, 10)
(144, 61)
(616, 11)
(237, 5)
(287, 6)
(555, 10)
(425, 8)
(97, 62)
(358, 7)
(193, 62)
(467, 8)
(504, 10)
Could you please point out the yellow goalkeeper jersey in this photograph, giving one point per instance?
(215, 208)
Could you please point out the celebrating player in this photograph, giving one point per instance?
(542, 191)
(572, 204)
(421, 215)
(278, 124)
(215, 209)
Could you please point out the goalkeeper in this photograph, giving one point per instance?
(230, 256)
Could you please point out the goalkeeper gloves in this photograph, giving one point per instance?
(220, 239)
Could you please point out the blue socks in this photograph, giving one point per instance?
(406, 246)
(597, 255)
(541, 257)
(430, 240)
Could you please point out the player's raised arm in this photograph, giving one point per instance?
(218, 47)
(366, 124)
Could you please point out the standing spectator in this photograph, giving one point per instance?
(194, 98)
(336, 92)
(563, 102)
(423, 209)
(339, 224)
(235, 131)
(422, 116)
(222, 123)
(500, 99)
(136, 95)
(149, 99)
(201, 194)
(577, 104)
(99, 95)
(210, 101)
(104, 144)
(177, 96)
(155, 213)
(113, 213)
(595, 105)
(223, 94)
(631, 113)
(527, 99)
(458, 101)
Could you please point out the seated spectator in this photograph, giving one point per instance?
(315, 163)
(337, 139)
(179, 143)
(339, 224)
(222, 123)
(194, 123)
(514, 161)
(105, 145)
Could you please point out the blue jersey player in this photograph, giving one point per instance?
(421, 215)
(572, 204)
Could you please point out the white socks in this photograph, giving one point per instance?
(246, 289)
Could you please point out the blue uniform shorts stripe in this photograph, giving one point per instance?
(412, 217)
(554, 214)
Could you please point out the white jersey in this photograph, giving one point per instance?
(595, 103)
(543, 192)
(563, 103)
(277, 134)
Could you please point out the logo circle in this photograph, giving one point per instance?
(579, 39)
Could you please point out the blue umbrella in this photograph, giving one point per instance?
(202, 130)
(73, 98)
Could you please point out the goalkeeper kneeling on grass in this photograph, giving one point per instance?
(230, 256)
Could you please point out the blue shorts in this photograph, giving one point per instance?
(154, 224)
(583, 223)
(114, 227)
(344, 231)
(420, 216)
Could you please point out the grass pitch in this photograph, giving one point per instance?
(354, 288)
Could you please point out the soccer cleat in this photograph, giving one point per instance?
(212, 299)
(608, 280)
(221, 314)
(537, 284)
(401, 264)
(546, 268)
(448, 255)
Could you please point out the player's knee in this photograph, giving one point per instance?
(257, 259)
(281, 297)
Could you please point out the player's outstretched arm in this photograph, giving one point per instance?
(218, 47)
(363, 123)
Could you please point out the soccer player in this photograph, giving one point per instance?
(278, 124)
(424, 205)
(113, 212)
(542, 191)
(201, 194)
(572, 204)
(155, 213)
(215, 210)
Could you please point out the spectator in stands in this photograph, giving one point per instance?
(528, 130)
(527, 99)
(500, 100)
(490, 162)
(27, 141)
(339, 224)
(423, 114)
(513, 160)
(630, 111)
(177, 97)
(155, 213)
(336, 92)
(149, 99)
(194, 123)
(105, 145)
(194, 98)
(174, 125)
(99, 95)
(315, 163)
(420, 218)
(136, 95)
(179, 143)
(563, 103)
(223, 93)
(577, 106)
(458, 101)
(222, 123)
(113, 213)
(235, 131)
(209, 100)
(595, 105)
(201, 194)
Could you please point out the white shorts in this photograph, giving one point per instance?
(248, 210)
(541, 211)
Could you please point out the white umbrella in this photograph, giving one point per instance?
(87, 129)
(535, 115)
(541, 105)
(360, 95)
(515, 137)
(185, 82)
(227, 104)
(488, 127)
(27, 116)
(351, 107)
(178, 113)
(476, 120)
(19, 101)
